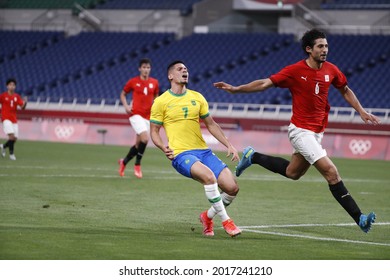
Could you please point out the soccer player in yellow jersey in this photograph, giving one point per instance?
(178, 110)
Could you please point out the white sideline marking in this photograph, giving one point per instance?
(77, 168)
(254, 229)
(173, 176)
(310, 225)
(179, 177)
(172, 171)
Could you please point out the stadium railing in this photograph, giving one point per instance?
(221, 110)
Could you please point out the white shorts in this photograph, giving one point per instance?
(10, 128)
(307, 143)
(139, 124)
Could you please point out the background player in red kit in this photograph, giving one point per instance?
(144, 89)
(308, 81)
(10, 101)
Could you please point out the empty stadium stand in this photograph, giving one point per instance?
(15, 44)
(185, 6)
(64, 69)
(355, 4)
(47, 4)
(93, 66)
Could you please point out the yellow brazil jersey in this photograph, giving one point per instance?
(179, 115)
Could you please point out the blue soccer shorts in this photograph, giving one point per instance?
(183, 162)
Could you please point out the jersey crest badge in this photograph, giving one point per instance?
(326, 78)
(193, 102)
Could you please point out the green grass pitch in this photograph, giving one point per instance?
(66, 201)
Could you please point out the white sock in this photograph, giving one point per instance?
(226, 199)
(214, 197)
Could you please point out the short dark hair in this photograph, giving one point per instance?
(308, 39)
(173, 63)
(10, 80)
(144, 61)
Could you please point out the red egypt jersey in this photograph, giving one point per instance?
(309, 89)
(144, 92)
(9, 105)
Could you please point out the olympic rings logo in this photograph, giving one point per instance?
(360, 147)
(63, 132)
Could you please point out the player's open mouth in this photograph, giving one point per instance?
(185, 76)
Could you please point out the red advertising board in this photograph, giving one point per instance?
(270, 142)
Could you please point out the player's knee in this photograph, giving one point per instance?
(228, 183)
(295, 177)
(144, 138)
(233, 189)
(209, 178)
(329, 172)
(293, 174)
(332, 175)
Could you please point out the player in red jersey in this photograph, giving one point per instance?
(10, 101)
(308, 81)
(144, 89)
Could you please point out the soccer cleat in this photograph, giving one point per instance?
(231, 228)
(245, 161)
(207, 223)
(365, 222)
(2, 150)
(138, 171)
(122, 167)
(12, 157)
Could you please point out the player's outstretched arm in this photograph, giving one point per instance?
(254, 86)
(351, 98)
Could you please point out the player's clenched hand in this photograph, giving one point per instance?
(225, 86)
(233, 152)
(168, 152)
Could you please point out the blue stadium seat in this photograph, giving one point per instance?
(184, 6)
(89, 72)
(355, 4)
